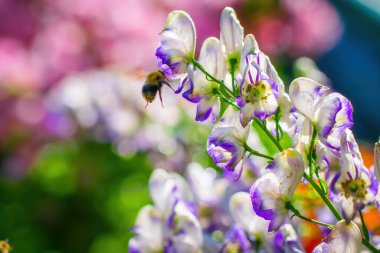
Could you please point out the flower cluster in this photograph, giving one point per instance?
(234, 82)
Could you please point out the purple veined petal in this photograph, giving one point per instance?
(271, 72)
(215, 111)
(305, 94)
(333, 115)
(288, 167)
(236, 235)
(187, 237)
(250, 48)
(231, 33)
(246, 114)
(177, 47)
(204, 109)
(212, 58)
(267, 201)
(149, 230)
(241, 209)
(183, 82)
(345, 237)
(163, 185)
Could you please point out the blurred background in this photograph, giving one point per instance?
(77, 145)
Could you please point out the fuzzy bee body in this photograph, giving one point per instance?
(153, 84)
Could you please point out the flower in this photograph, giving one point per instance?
(241, 209)
(226, 144)
(177, 47)
(231, 36)
(330, 113)
(258, 92)
(345, 237)
(203, 90)
(170, 225)
(286, 240)
(270, 193)
(354, 186)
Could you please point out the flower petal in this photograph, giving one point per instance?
(267, 201)
(177, 46)
(231, 33)
(149, 230)
(305, 94)
(212, 59)
(333, 115)
(241, 209)
(345, 237)
(187, 237)
(288, 167)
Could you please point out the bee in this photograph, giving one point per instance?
(154, 82)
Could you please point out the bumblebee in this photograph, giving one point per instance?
(154, 82)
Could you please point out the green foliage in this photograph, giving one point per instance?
(78, 197)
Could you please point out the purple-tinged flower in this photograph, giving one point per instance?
(270, 193)
(231, 35)
(241, 209)
(345, 237)
(170, 225)
(258, 92)
(208, 189)
(251, 52)
(203, 90)
(354, 186)
(226, 144)
(330, 113)
(286, 240)
(149, 230)
(236, 240)
(177, 47)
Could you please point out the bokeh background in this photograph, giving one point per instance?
(77, 145)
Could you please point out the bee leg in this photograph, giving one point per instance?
(147, 103)
(159, 94)
(168, 85)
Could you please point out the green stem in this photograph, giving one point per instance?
(299, 215)
(369, 246)
(216, 91)
(323, 196)
(311, 151)
(364, 227)
(277, 119)
(201, 68)
(256, 153)
(266, 131)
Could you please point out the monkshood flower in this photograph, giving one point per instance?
(203, 90)
(354, 186)
(236, 240)
(345, 237)
(177, 47)
(286, 240)
(330, 113)
(231, 36)
(170, 225)
(258, 92)
(226, 144)
(242, 212)
(271, 192)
